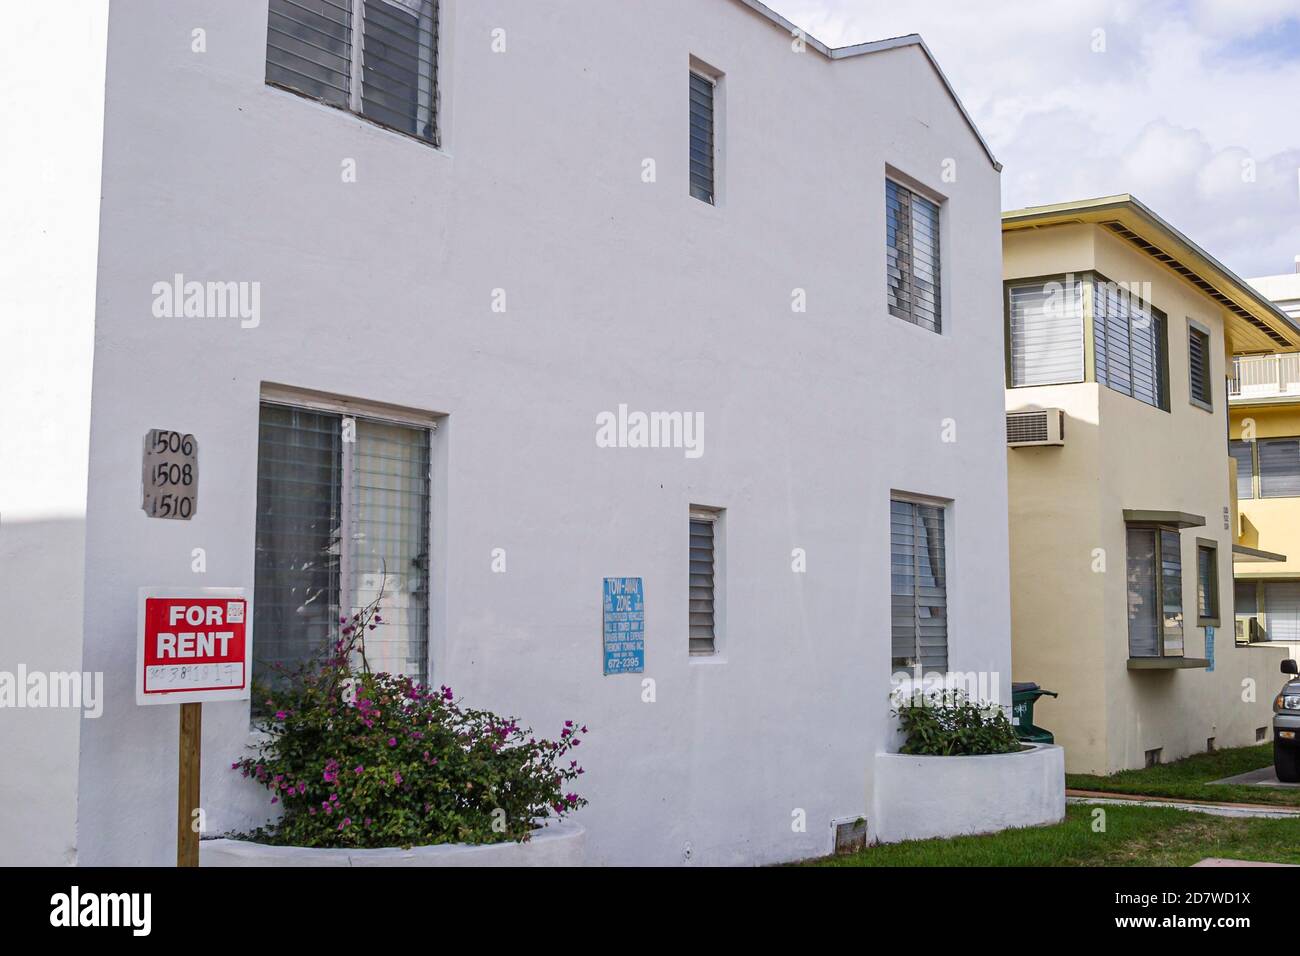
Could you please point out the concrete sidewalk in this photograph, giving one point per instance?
(1215, 809)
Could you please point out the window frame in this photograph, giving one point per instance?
(1214, 617)
(714, 518)
(1195, 328)
(1089, 279)
(944, 508)
(698, 71)
(915, 191)
(355, 74)
(345, 409)
(1158, 530)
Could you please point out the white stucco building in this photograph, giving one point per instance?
(514, 219)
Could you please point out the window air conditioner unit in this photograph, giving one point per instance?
(1039, 426)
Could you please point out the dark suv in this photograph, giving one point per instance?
(1286, 727)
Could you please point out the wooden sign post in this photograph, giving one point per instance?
(187, 785)
(194, 646)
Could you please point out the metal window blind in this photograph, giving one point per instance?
(912, 256)
(1046, 320)
(398, 65)
(1198, 360)
(918, 587)
(1128, 343)
(308, 48)
(1171, 592)
(311, 485)
(296, 567)
(1206, 599)
(1155, 593)
(1143, 591)
(702, 593)
(702, 137)
(1282, 610)
(1241, 453)
(1279, 467)
(388, 526)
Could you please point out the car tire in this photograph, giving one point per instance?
(1286, 761)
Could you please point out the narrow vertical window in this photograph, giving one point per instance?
(918, 587)
(398, 53)
(703, 590)
(1207, 584)
(338, 522)
(1242, 453)
(912, 256)
(702, 137)
(1198, 367)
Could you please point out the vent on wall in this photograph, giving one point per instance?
(1039, 426)
(850, 835)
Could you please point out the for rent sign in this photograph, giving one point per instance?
(193, 646)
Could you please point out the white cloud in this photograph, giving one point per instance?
(1183, 94)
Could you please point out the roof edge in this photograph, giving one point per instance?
(876, 46)
(1082, 207)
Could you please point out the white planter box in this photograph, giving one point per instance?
(916, 798)
(560, 844)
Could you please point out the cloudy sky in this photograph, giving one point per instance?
(1193, 106)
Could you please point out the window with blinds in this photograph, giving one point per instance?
(1242, 453)
(918, 587)
(1046, 329)
(1198, 370)
(912, 257)
(702, 137)
(703, 593)
(342, 513)
(1279, 467)
(385, 70)
(1128, 343)
(1207, 582)
(1155, 593)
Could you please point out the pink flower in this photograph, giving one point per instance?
(397, 777)
(358, 769)
(392, 741)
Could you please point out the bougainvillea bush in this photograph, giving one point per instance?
(362, 759)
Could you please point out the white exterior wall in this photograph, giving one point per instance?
(49, 218)
(618, 291)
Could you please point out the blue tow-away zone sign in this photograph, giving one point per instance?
(624, 626)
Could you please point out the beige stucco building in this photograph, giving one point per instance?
(1264, 404)
(1123, 526)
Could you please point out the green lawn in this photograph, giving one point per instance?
(1134, 836)
(1187, 779)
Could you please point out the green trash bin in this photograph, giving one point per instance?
(1023, 697)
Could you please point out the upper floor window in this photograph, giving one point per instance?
(1198, 366)
(1047, 325)
(912, 256)
(386, 70)
(342, 516)
(704, 571)
(703, 137)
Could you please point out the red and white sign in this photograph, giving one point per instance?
(193, 645)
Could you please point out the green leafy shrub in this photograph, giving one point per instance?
(361, 759)
(948, 724)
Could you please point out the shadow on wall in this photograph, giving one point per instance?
(41, 585)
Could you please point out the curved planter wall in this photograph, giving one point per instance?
(920, 797)
(560, 844)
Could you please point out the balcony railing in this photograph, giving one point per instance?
(1264, 376)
